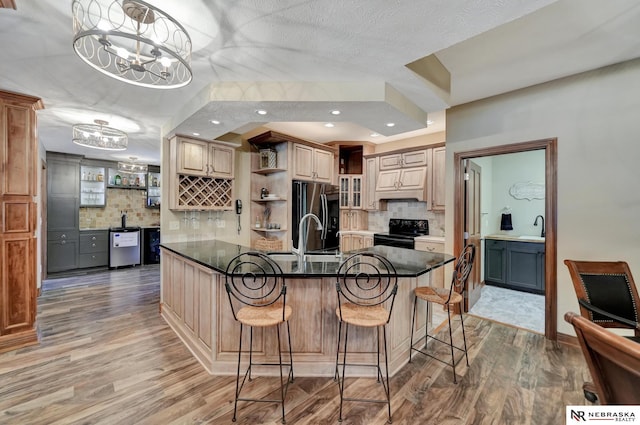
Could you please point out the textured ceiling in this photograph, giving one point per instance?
(301, 59)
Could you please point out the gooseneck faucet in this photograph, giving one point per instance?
(302, 236)
(535, 223)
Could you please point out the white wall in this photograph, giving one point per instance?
(595, 117)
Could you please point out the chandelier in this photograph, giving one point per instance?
(132, 41)
(99, 136)
(132, 167)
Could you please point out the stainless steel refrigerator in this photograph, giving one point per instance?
(321, 200)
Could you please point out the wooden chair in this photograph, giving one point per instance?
(258, 297)
(608, 296)
(367, 285)
(607, 286)
(614, 361)
(447, 298)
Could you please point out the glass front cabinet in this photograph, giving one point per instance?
(153, 187)
(92, 186)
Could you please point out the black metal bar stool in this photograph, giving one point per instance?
(367, 285)
(258, 294)
(448, 298)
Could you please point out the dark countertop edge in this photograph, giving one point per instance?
(296, 275)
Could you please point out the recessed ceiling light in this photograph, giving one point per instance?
(215, 122)
(335, 112)
(196, 134)
(261, 112)
(390, 124)
(374, 134)
(329, 124)
(429, 122)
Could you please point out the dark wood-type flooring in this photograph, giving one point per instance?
(107, 357)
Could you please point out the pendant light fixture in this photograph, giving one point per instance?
(132, 41)
(99, 136)
(132, 167)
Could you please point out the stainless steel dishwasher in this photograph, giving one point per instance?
(124, 246)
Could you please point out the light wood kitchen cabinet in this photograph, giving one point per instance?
(437, 180)
(406, 179)
(350, 191)
(18, 189)
(370, 177)
(437, 275)
(202, 158)
(201, 177)
(312, 164)
(353, 241)
(353, 220)
(419, 158)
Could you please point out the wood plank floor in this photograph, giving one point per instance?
(107, 357)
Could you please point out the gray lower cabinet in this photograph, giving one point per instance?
(62, 250)
(63, 203)
(94, 248)
(495, 261)
(515, 265)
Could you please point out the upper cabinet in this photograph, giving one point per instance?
(312, 164)
(419, 158)
(350, 191)
(437, 181)
(202, 176)
(92, 186)
(153, 187)
(202, 158)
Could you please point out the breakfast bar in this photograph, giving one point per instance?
(194, 303)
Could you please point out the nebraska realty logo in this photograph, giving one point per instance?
(582, 414)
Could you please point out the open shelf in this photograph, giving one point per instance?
(265, 230)
(268, 199)
(266, 171)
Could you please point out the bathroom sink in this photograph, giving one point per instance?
(533, 238)
(315, 258)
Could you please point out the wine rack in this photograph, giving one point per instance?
(203, 193)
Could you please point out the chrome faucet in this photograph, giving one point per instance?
(535, 223)
(302, 236)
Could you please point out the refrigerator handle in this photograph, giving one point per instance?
(325, 213)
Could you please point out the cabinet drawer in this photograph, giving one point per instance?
(97, 259)
(429, 246)
(94, 242)
(58, 236)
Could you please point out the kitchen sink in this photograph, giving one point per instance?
(315, 258)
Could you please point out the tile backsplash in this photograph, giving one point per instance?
(118, 200)
(379, 221)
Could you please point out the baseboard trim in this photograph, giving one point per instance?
(14, 341)
(568, 340)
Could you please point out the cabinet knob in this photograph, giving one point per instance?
(63, 236)
(93, 245)
(93, 238)
(63, 242)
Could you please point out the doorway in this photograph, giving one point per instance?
(462, 214)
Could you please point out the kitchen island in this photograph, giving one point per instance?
(193, 301)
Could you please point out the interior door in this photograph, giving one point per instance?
(472, 229)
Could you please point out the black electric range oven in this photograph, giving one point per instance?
(402, 233)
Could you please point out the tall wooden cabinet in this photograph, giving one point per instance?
(18, 218)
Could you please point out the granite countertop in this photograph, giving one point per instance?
(217, 254)
(522, 238)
